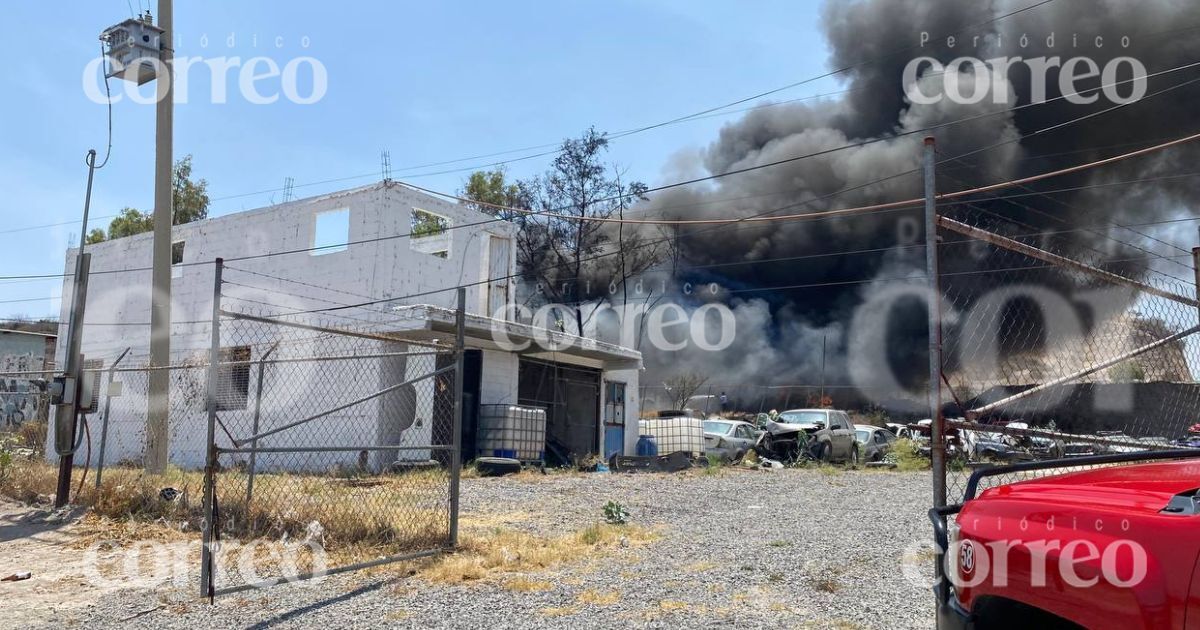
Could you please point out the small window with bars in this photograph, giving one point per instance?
(233, 378)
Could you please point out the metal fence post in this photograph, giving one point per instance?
(937, 429)
(460, 327)
(1196, 269)
(104, 425)
(210, 499)
(262, 364)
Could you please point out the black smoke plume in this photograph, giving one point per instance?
(796, 284)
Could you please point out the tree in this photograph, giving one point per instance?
(560, 253)
(489, 189)
(427, 224)
(129, 222)
(683, 386)
(188, 198)
(95, 236)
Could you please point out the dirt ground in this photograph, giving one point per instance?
(730, 549)
(39, 542)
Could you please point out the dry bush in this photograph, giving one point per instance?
(907, 456)
(32, 435)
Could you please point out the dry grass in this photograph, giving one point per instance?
(831, 624)
(391, 513)
(826, 584)
(671, 605)
(526, 585)
(498, 553)
(700, 567)
(599, 598)
(362, 518)
(561, 611)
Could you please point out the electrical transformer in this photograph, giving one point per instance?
(135, 43)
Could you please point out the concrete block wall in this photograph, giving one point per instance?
(118, 300)
(499, 378)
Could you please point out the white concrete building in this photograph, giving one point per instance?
(347, 248)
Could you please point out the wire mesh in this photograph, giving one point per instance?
(1059, 347)
(335, 437)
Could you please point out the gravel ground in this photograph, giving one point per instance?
(797, 548)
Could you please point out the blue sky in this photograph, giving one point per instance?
(429, 82)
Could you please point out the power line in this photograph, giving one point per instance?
(1065, 222)
(850, 146)
(705, 113)
(761, 217)
(38, 299)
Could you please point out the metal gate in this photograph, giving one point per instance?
(1049, 348)
(329, 448)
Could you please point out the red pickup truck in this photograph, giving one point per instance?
(1106, 547)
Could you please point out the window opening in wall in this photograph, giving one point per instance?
(331, 231)
(177, 259)
(429, 233)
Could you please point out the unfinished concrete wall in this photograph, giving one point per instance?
(379, 263)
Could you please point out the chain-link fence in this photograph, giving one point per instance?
(1051, 353)
(343, 441)
(24, 403)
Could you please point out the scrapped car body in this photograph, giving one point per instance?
(985, 446)
(1037, 446)
(1108, 547)
(729, 440)
(874, 442)
(821, 434)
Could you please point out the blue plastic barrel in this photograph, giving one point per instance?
(647, 446)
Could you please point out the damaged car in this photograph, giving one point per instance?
(825, 435)
(729, 440)
(982, 446)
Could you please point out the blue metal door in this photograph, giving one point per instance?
(614, 440)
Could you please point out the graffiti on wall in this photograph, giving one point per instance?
(18, 396)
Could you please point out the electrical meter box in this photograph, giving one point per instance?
(89, 386)
(135, 43)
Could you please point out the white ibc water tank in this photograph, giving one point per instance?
(511, 431)
(675, 434)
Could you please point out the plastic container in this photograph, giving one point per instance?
(511, 431)
(647, 446)
(681, 433)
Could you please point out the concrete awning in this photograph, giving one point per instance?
(425, 322)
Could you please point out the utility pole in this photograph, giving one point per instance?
(158, 404)
(1196, 266)
(66, 413)
(937, 428)
(824, 339)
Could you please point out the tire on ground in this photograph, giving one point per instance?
(497, 466)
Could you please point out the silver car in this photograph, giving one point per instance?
(728, 439)
(873, 441)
